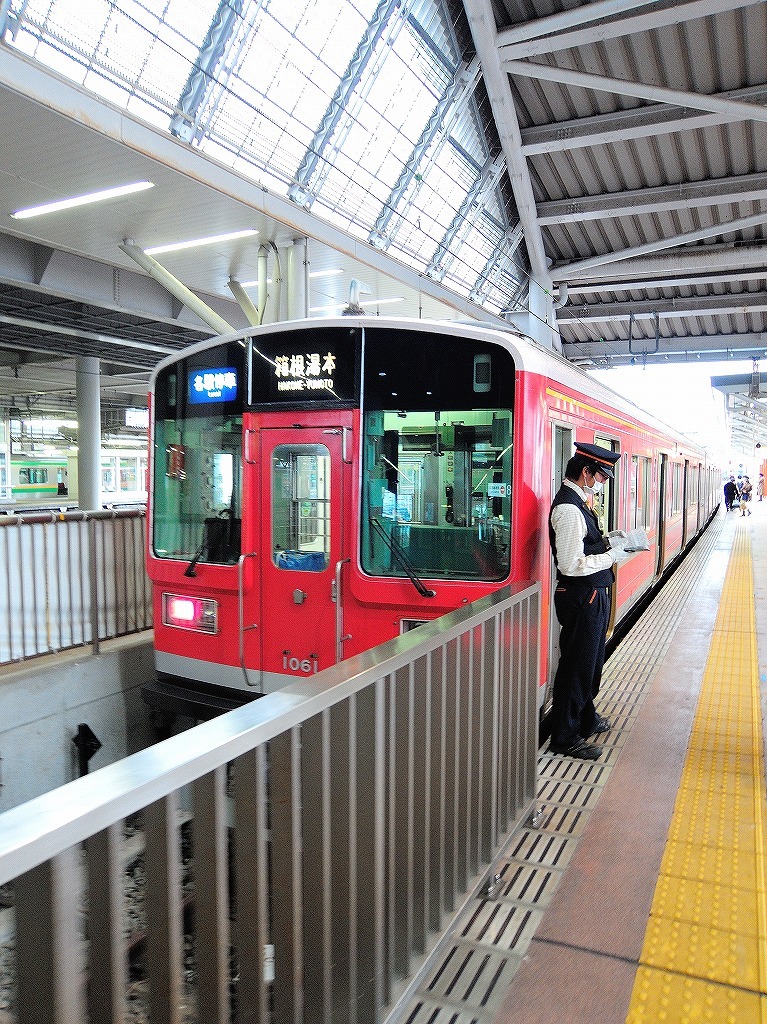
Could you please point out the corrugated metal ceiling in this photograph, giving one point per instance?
(643, 132)
(633, 135)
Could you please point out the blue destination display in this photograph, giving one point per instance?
(215, 385)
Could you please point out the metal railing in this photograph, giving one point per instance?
(332, 831)
(71, 579)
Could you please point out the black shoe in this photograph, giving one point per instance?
(600, 725)
(586, 751)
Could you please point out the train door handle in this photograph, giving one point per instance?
(335, 595)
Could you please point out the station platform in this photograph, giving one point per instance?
(660, 913)
(637, 894)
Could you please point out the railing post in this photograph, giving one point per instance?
(109, 965)
(211, 883)
(163, 909)
(49, 943)
(93, 566)
(284, 776)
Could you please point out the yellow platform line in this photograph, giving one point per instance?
(704, 956)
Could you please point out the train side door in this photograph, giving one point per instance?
(301, 550)
(562, 448)
(685, 502)
(662, 513)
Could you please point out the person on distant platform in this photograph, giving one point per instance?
(584, 561)
(730, 494)
(760, 486)
(745, 496)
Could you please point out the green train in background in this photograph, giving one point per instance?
(50, 481)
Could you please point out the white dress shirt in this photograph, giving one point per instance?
(569, 527)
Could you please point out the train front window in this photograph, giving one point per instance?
(197, 458)
(437, 466)
(197, 484)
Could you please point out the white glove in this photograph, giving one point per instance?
(619, 555)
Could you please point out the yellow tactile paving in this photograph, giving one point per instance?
(705, 951)
(664, 998)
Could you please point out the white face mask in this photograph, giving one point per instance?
(595, 488)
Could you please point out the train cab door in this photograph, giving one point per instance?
(301, 551)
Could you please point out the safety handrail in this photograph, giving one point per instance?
(301, 795)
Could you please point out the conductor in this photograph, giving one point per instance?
(584, 561)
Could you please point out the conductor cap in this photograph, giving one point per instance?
(602, 457)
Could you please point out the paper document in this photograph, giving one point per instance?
(636, 540)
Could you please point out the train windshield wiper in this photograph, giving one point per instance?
(401, 558)
(191, 569)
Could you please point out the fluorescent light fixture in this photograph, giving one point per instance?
(343, 305)
(92, 197)
(193, 242)
(312, 273)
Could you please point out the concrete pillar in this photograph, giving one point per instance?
(298, 279)
(87, 383)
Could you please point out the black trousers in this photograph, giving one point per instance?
(584, 615)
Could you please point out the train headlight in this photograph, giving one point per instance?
(196, 613)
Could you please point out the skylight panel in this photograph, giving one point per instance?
(379, 139)
(270, 110)
(126, 53)
(284, 82)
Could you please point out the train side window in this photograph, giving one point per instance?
(108, 475)
(605, 500)
(128, 476)
(676, 491)
(640, 492)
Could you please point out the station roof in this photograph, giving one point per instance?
(450, 157)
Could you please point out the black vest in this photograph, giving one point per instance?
(593, 543)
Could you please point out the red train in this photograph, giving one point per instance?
(319, 487)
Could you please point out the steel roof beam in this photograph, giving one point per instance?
(739, 189)
(569, 271)
(676, 349)
(310, 174)
(502, 256)
(691, 306)
(622, 125)
(733, 262)
(596, 11)
(675, 15)
(734, 110)
(484, 33)
(209, 64)
(42, 328)
(656, 284)
(473, 203)
(453, 103)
